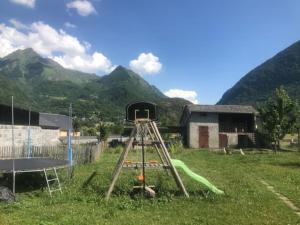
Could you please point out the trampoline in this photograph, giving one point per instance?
(30, 165)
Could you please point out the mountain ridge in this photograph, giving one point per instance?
(48, 87)
(260, 83)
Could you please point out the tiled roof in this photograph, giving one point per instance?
(222, 108)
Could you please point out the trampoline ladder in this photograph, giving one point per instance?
(52, 180)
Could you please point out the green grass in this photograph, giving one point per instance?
(285, 143)
(247, 201)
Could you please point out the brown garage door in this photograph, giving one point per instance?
(223, 141)
(203, 137)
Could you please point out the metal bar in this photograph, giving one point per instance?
(52, 179)
(13, 143)
(143, 163)
(46, 177)
(70, 150)
(59, 187)
(14, 182)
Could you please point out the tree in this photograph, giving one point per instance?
(276, 116)
(76, 124)
(104, 132)
(296, 118)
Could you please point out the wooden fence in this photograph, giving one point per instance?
(83, 153)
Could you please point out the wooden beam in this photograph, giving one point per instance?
(173, 169)
(120, 163)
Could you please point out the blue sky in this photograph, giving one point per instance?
(185, 48)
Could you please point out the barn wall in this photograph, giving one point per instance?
(198, 119)
(39, 136)
(232, 139)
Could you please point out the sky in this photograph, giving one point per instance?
(195, 49)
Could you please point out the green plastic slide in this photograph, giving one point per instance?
(179, 164)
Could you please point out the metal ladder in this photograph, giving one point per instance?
(52, 180)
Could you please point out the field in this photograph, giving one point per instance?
(247, 200)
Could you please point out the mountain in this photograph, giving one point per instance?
(44, 85)
(27, 65)
(259, 84)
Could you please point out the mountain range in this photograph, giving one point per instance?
(260, 83)
(44, 85)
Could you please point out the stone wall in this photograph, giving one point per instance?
(197, 119)
(39, 136)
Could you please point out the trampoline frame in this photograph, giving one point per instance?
(13, 171)
(68, 163)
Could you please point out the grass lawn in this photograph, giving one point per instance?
(247, 200)
(285, 143)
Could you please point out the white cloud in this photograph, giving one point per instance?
(178, 93)
(56, 44)
(69, 25)
(83, 7)
(27, 3)
(87, 63)
(17, 24)
(146, 63)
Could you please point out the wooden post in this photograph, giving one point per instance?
(120, 163)
(157, 137)
(173, 169)
(156, 147)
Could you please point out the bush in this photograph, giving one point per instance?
(176, 147)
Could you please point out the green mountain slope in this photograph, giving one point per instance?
(27, 65)
(260, 83)
(8, 89)
(44, 85)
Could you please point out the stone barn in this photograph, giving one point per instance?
(218, 126)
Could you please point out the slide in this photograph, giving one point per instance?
(179, 164)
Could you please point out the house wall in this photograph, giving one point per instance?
(39, 136)
(232, 139)
(198, 119)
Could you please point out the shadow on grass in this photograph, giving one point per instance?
(295, 165)
(25, 182)
(88, 181)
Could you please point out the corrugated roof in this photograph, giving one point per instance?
(55, 120)
(222, 108)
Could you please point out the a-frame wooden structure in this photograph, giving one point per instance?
(146, 127)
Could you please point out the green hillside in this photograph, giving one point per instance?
(44, 85)
(259, 84)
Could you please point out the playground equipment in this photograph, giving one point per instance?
(179, 164)
(30, 164)
(144, 117)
